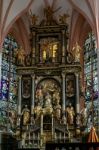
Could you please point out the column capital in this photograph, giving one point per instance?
(19, 77)
(63, 32)
(63, 74)
(76, 74)
(33, 76)
(33, 33)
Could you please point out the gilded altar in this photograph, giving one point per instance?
(48, 88)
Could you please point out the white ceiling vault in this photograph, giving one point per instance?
(14, 17)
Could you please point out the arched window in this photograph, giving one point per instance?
(91, 80)
(90, 68)
(8, 95)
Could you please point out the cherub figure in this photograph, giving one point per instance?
(76, 52)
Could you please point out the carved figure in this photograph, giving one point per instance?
(21, 56)
(76, 52)
(58, 109)
(26, 115)
(12, 118)
(39, 96)
(48, 101)
(48, 12)
(34, 19)
(63, 18)
(70, 114)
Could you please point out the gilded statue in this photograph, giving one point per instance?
(70, 114)
(58, 109)
(26, 115)
(48, 13)
(63, 18)
(21, 56)
(76, 52)
(33, 19)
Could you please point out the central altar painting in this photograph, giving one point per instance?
(48, 93)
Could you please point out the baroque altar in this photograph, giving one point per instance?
(48, 87)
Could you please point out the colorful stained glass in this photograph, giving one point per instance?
(8, 97)
(91, 81)
(90, 67)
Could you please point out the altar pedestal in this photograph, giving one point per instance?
(7, 142)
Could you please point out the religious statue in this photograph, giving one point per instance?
(70, 114)
(39, 96)
(33, 19)
(58, 109)
(26, 115)
(21, 56)
(37, 110)
(76, 52)
(48, 13)
(63, 18)
(48, 102)
(12, 118)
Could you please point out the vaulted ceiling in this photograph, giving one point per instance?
(15, 18)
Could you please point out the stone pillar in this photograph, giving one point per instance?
(42, 136)
(19, 95)
(63, 92)
(63, 47)
(52, 127)
(33, 93)
(33, 48)
(77, 93)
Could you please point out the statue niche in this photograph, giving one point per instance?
(48, 95)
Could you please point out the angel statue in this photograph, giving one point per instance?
(76, 52)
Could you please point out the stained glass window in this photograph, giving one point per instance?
(91, 81)
(90, 68)
(8, 94)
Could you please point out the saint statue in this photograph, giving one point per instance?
(21, 56)
(70, 114)
(26, 115)
(48, 102)
(48, 12)
(76, 52)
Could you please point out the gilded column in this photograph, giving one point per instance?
(33, 93)
(77, 93)
(63, 46)
(19, 95)
(63, 91)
